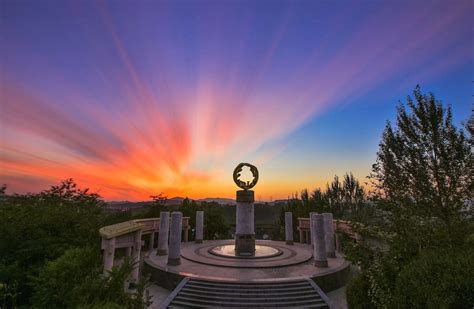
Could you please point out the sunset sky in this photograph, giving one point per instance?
(133, 98)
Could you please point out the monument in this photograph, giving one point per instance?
(245, 230)
(238, 272)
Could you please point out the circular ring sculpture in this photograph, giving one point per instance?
(242, 184)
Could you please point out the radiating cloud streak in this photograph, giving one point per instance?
(162, 97)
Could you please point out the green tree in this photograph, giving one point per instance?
(189, 208)
(37, 228)
(214, 223)
(75, 280)
(49, 242)
(422, 180)
(423, 171)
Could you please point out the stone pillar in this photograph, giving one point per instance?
(289, 227)
(245, 232)
(137, 247)
(329, 235)
(152, 240)
(128, 251)
(109, 252)
(311, 229)
(175, 238)
(163, 233)
(338, 244)
(319, 250)
(199, 226)
(185, 234)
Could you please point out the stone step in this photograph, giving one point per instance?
(250, 293)
(252, 289)
(268, 303)
(256, 298)
(182, 304)
(194, 293)
(247, 285)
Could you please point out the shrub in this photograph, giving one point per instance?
(357, 293)
(74, 280)
(437, 279)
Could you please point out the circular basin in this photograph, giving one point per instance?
(261, 251)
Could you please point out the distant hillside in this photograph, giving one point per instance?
(265, 213)
(222, 201)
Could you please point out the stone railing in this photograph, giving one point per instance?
(128, 235)
(339, 226)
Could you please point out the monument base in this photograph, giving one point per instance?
(174, 262)
(245, 244)
(161, 252)
(321, 263)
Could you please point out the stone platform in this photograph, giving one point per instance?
(295, 262)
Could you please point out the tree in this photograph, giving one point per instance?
(423, 181)
(214, 223)
(74, 280)
(37, 228)
(423, 169)
(41, 236)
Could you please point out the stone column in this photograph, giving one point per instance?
(199, 226)
(175, 238)
(108, 245)
(185, 234)
(319, 250)
(163, 233)
(289, 227)
(329, 235)
(311, 229)
(137, 247)
(152, 240)
(245, 232)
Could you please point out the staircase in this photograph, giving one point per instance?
(213, 294)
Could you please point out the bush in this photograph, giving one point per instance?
(74, 280)
(58, 281)
(437, 279)
(357, 293)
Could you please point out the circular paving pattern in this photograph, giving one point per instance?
(295, 262)
(261, 251)
(276, 254)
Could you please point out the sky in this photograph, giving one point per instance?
(135, 98)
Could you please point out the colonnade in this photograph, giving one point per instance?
(170, 229)
(319, 233)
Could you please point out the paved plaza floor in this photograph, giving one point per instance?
(295, 262)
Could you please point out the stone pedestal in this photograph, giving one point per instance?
(329, 235)
(175, 238)
(137, 246)
(319, 250)
(289, 228)
(163, 233)
(245, 232)
(199, 227)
